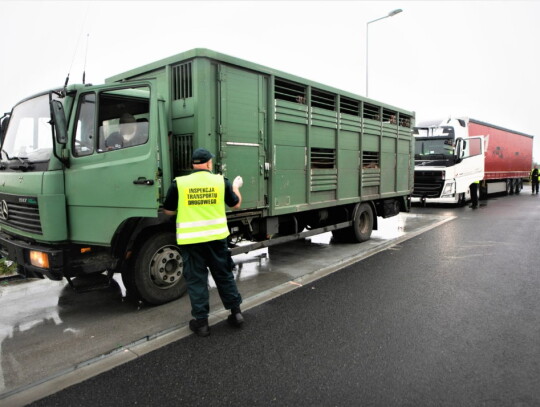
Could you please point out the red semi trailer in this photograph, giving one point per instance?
(453, 153)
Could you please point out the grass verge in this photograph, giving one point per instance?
(7, 267)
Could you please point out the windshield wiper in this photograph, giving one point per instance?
(7, 155)
(21, 159)
(25, 166)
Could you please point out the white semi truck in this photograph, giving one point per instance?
(453, 153)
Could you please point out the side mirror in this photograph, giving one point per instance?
(3, 126)
(59, 121)
(460, 149)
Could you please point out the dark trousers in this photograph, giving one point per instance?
(534, 185)
(474, 195)
(200, 257)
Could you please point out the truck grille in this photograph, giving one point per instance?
(428, 184)
(20, 212)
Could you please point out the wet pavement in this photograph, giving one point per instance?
(51, 337)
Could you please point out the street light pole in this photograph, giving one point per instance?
(390, 14)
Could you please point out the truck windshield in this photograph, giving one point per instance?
(29, 136)
(432, 146)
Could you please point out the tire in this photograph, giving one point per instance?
(509, 187)
(461, 199)
(362, 226)
(363, 222)
(517, 187)
(156, 274)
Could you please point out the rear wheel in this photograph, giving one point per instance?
(509, 187)
(518, 186)
(362, 226)
(363, 222)
(156, 275)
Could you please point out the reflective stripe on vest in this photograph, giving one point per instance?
(201, 208)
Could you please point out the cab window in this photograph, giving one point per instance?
(111, 120)
(123, 119)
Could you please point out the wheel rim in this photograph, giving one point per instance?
(166, 267)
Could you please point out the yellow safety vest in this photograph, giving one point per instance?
(201, 208)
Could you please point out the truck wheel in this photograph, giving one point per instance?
(157, 272)
(363, 222)
(518, 187)
(509, 186)
(362, 226)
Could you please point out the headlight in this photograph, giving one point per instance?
(39, 259)
(448, 189)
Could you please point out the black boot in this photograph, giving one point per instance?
(236, 318)
(200, 327)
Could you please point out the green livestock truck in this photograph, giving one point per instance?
(76, 200)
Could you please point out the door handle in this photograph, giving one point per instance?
(143, 181)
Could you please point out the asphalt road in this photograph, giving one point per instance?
(450, 317)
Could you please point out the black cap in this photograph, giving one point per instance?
(201, 156)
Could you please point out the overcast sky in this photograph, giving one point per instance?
(438, 58)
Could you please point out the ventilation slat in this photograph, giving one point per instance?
(370, 159)
(323, 158)
(323, 100)
(182, 81)
(349, 106)
(371, 112)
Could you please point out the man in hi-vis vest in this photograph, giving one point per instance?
(535, 177)
(198, 200)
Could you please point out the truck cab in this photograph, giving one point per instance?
(447, 161)
(82, 168)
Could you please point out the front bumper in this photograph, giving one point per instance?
(18, 251)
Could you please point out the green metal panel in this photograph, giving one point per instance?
(289, 175)
(349, 140)
(349, 164)
(370, 143)
(322, 137)
(289, 134)
(242, 131)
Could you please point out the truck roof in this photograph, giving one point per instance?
(214, 55)
(494, 126)
(439, 122)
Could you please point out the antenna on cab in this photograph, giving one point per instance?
(85, 55)
(75, 52)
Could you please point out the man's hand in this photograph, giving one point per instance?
(238, 182)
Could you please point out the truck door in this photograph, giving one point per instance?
(113, 172)
(471, 168)
(242, 124)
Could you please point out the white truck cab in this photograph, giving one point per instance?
(447, 161)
